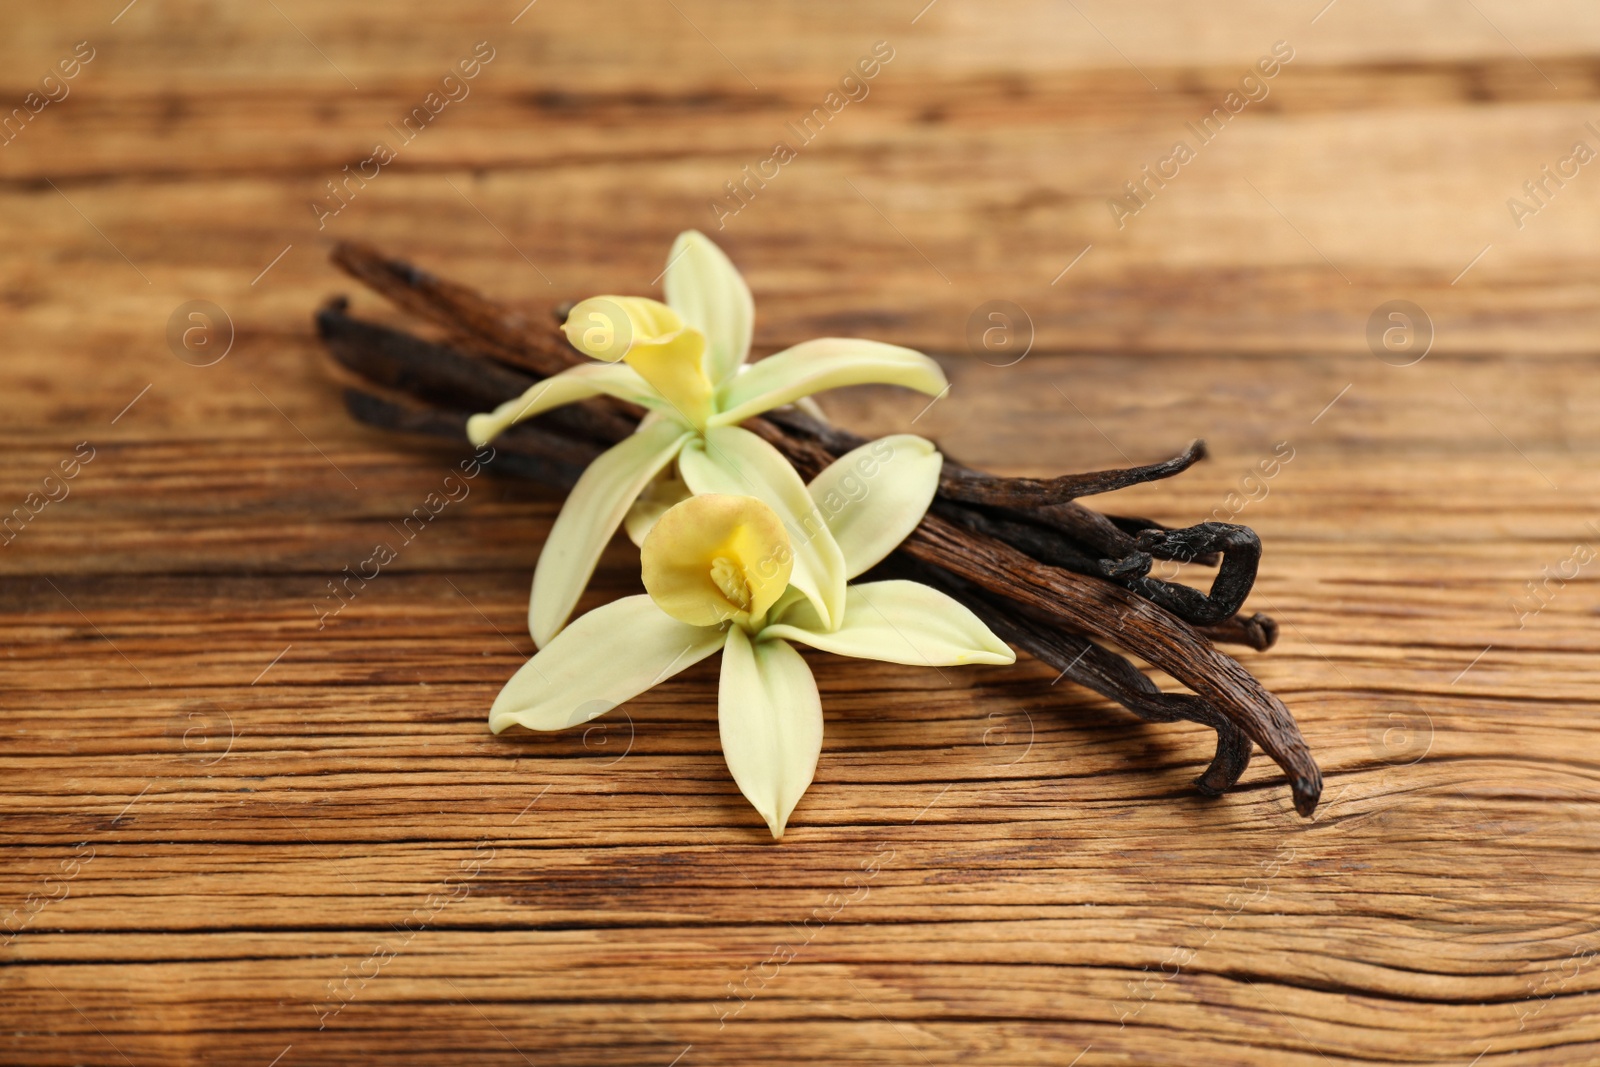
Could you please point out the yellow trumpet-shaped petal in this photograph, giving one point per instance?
(674, 368)
(715, 558)
(731, 459)
(608, 327)
(654, 340)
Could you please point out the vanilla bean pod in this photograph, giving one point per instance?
(1082, 605)
(500, 332)
(1094, 667)
(1114, 677)
(397, 360)
(1259, 632)
(970, 486)
(439, 374)
(523, 451)
(977, 504)
(1049, 574)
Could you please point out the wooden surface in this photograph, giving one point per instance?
(232, 837)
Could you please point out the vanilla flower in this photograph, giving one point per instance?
(718, 572)
(685, 362)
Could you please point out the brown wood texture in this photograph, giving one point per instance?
(231, 836)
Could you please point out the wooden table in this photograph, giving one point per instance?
(234, 836)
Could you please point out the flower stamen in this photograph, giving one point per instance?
(730, 578)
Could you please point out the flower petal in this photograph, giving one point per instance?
(734, 461)
(770, 718)
(655, 341)
(592, 513)
(674, 368)
(813, 366)
(609, 327)
(898, 622)
(653, 503)
(610, 655)
(874, 496)
(809, 406)
(704, 287)
(570, 386)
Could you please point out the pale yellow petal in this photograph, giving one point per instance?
(661, 494)
(592, 513)
(815, 366)
(897, 622)
(873, 497)
(610, 655)
(809, 405)
(770, 717)
(570, 386)
(704, 287)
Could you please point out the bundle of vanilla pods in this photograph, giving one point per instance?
(1067, 584)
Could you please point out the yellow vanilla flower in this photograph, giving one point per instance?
(717, 572)
(684, 360)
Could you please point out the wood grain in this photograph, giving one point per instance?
(231, 837)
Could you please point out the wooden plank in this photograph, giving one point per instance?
(241, 827)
